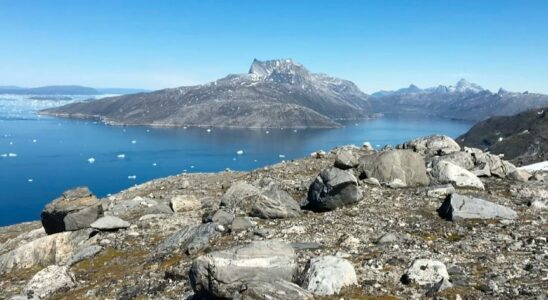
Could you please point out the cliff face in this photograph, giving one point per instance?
(276, 93)
(522, 137)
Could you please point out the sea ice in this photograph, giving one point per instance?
(240, 152)
(91, 160)
(281, 156)
(208, 130)
(134, 142)
(12, 154)
(30, 180)
(121, 156)
(132, 177)
(154, 164)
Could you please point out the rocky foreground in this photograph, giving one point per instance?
(425, 220)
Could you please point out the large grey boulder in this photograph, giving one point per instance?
(225, 273)
(333, 188)
(268, 202)
(387, 166)
(346, 160)
(84, 253)
(431, 145)
(491, 165)
(425, 272)
(52, 249)
(275, 290)
(458, 207)
(109, 223)
(50, 280)
(75, 209)
(191, 239)
(461, 159)
(327, 275)
(446, 172)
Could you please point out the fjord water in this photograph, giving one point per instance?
(50, 155)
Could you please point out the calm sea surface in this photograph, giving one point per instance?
(40, 157)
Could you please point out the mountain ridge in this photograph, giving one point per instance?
(273, 93)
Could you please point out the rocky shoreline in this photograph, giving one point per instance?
(425, 220)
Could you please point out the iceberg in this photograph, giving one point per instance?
(91, 160)
(240, 152)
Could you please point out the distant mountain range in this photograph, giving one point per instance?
(274, 93)
(65, 90)
(522, 137)
(464, 101)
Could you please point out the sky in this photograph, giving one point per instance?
(379, 45)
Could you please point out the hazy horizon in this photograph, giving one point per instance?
(377, 45)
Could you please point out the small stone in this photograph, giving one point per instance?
(372, 181)
(241, 224)
(388, 238)
(425, 272)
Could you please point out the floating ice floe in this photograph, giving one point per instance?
(11, 143)
(208, 130)
(30, 180)
(132, 177)
(240, 152)
(121, 156)
(91, 160)
(281, 156)
(34, 140)
(192, 167)
(4, 155)
(294, 130)
(148, 130)
(234, 158)
(154, 164)
(12, 154)
(134, 142)
(267, 132)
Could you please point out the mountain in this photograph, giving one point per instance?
(464, 101)
(120, 91)
(522, 137)
(274, 93)
(49, 90)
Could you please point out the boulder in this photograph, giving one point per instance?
(519, 175)
(333, 188)
(367, 146)
(275, 290)
(52, 249)
(109, 223)
(74, 209)
(225, 273)
(327, 275)
(22, 239)
(431, 145)
(346, 160)
(181, 203)
(491, 165)
(425, 272)
(446, 172)
(241, 224)
(458, 207)
(50, 280)
(269, 202)
(386, 166)
(191, 239)
(84, 253)
(219, 216)
(461, 159)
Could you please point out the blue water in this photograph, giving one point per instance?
(52, 154)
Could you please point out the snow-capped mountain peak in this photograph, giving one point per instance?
(278, 70)
(464, 86)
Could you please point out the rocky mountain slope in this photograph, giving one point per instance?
(426, 220)
(522, 137)
(464, 101)
(275, 93)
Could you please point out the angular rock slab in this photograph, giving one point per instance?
(191, 239)
(425, 272)
(275, 290)
(346, 160)
(109, 223)
(333, 188)
(269, 202)
(446, 172)
(434, 144)
(75, 209)
(458, 207)
(224, 273)
(52, 249)
(182, 203)
(327, 275)
(51, 280)
(386, 166)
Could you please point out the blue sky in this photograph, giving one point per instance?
(376, 44)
